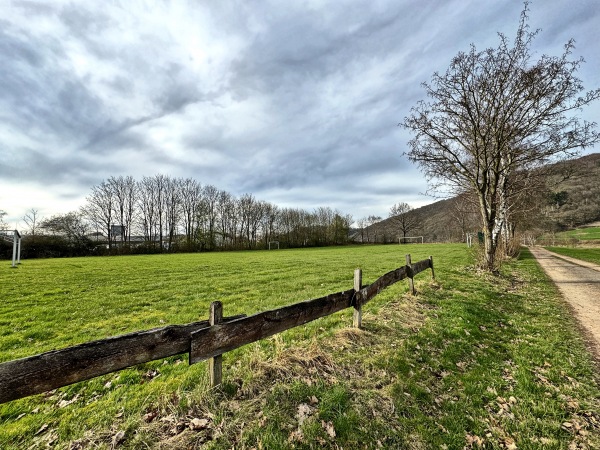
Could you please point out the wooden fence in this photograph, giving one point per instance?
(207, 339)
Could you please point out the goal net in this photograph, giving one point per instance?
(410, 240)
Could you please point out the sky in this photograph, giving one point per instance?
(297, 103)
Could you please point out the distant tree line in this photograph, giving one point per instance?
(161, 213)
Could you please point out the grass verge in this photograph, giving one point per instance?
(471, 362)
(586, 254)
(583, 234)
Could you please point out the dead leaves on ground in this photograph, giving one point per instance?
(305, 414)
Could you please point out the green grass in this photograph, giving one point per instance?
(582, 234)
(586, 254)
(470, 359)
(53, 303)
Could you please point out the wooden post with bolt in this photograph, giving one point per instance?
(215, 364)
(431, 265)
(409, 273)
(357, 317)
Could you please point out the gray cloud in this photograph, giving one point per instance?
(297, 104)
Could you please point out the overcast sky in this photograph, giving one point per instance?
(295, 102)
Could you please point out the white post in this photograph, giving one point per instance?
(14, 255)
(19, 250)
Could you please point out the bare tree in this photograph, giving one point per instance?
(268, 222)
(362, 225)
(372, 220)
(172, 196)
(463, 212)
(148, 210)
(251, 211)
(159, 185)
(191, 198)
(3, 225)
(32, 220)
(71, 226)
(495, 113)
(402, 218)
(99, 208)
(124, 191)
(210, 195)
(340, 228)
(228, 219)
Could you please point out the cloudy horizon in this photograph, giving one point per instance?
(295, 103)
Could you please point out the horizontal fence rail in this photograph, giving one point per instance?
(202, 340)
(222, 338)
(50, 370)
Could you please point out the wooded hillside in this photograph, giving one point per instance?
(571, 198)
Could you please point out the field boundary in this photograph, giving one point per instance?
(203, 340)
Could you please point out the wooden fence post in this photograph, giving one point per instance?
(431, 265)
(215, 364)
(409, 273)
(357, 317)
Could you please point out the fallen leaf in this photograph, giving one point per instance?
(149, 417)
(118, 438)
(472, 440)
(178, 428)
(304, 412)
(198, 424)
(42, 429)
(313, 400)
(567, 426)
(169, 418)
(296, 435)
(328, 427)
(510, 444)
(51, 439)
(262, 422)
(151, 374)
(64, 403)
(573, 404)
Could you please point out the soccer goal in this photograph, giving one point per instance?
(273, 244)
(410, 239)
(16, 240)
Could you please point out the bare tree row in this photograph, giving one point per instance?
(162, 212)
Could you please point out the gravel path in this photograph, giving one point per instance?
(579, 283)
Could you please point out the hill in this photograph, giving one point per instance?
(571, 199)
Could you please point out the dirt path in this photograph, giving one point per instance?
(579, 283)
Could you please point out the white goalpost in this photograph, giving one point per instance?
(274, 244)
(410, 239)
(469, 239)
(16, 240)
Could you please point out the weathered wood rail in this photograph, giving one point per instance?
(202, 340)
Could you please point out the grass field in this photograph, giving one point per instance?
(585, 254)
(471, 360)
(582, 234)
